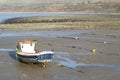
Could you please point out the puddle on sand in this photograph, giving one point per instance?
(4, 63)
(65, 61)
(6, 49)
(1, 62)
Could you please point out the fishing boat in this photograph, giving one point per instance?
(26, 52)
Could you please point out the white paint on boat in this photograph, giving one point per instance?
(35, 54)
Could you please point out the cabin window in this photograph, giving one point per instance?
(22, 46)
(31, 44)
(18, 46)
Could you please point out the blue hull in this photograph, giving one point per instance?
(35, 58)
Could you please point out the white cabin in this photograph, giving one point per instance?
(27, 46)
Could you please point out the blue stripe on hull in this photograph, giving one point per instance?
(37, 57)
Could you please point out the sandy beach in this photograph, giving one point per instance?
(73, 58)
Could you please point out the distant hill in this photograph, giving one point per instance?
(84, 6)
(51, 1)
(41, 1)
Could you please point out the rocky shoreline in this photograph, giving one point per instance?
(63, 22)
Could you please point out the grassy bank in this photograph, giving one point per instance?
(61, 22)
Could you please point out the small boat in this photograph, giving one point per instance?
(25, 52)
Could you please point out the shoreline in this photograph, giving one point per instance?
(63, 22)
(43, 26)
(67, 13)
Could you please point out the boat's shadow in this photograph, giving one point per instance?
(12, 55)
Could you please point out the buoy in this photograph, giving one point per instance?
(104, 42)
(76, 38)
(93, 51)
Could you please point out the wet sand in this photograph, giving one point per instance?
(73, 59)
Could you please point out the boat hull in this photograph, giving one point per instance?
(35, 57)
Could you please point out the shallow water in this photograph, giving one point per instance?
(6, 49)
(41, 33)
(67, 62)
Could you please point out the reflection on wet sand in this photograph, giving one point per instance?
(65, 61)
